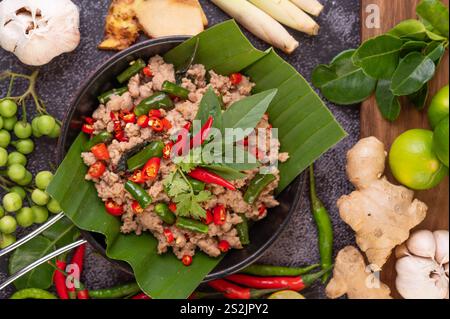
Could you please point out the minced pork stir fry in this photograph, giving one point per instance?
(134, 135)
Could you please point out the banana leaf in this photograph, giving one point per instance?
(307, 130)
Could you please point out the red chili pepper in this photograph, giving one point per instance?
(169, 235)
(128, 117)
(97, 169)
(236, 78)
(167, 150)
(89, 120)
(142, 121)
(114, 209)
(83, 294)
(156, 124)
(210, 178)
(151, 168)
(209, 217)
(113, 116)
(137, 177)
(137, 208)
(120, 136)
(166, 123)
(78, 259)
(87, 128)
(297, 283)
(142, 296)
(262, 209)
(186, 260)
(147, 72)
(201, 136)
(100, 152)
(232, 291)
(60, 280)
(224, 246)
(173, 207)
(155, 113)
(219, 215)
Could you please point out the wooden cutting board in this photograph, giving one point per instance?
(372, 123)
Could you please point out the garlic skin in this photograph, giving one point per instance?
(422, 266)
(36, 31)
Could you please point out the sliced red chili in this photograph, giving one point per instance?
(219, 214)
(87, 128)
(186, 260)
(137, 177)
(113, 116)
(147, 72)
(100, 151)
(173, 207)
(142, 121)
(209, 217)
(136, 207)
(97, 169)
(224, 246)
(155, 113)
(113, 208)
(120, 136)
(262, 209)
(156, 124)
(169, 235)
(167, 150)
(128, 117)
(151, 168)
(89, 120)
(166, 123)
(236, 78)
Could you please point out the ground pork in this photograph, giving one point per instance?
(161, 72)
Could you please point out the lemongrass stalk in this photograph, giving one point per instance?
(312, 7)
(288, 14)
(259, 23)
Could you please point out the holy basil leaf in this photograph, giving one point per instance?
(342, 82)
(379, 57)
(388, 104)
(246, 113)
(412, 73)
(419, 98)
(435, 51)
(225, 171)
(410, 29)
(210, 105)
(436, 14)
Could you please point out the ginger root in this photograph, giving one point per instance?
(381, 214)
(352, 277)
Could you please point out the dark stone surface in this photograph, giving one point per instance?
(297, 245)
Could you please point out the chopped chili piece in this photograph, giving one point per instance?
(97, 169)
(219, 214)
(89, 120)
(128, 117)
(169, 235)
(120, 136)
(209, 217)
(173, 207)
(186, 260)
(136, 207)
(147, 72)
(142, 121)
(137, 177)
(151, 168)
(167, 150)
(236, 78)
(113, 208)
(155, 113)
(113, 116)
(87, 128)
(156, 124)
(100, 152)
(224, 246)
(166, 123)
(262, 209)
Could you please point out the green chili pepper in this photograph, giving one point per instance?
(154, 149)
(197, 186)
(115, 292)
(266, 270)
(156, 101)
(324, 226)
(132, 70)
(258, 183)
(101, 137)
(175, 90)
(163, 211)
(192, 225)
(242, 230)
(33, 293)
(139, 194)
(105, 97)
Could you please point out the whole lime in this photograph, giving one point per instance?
(441, 141)
(439, 108)
(413, 161)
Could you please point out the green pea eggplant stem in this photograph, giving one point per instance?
(324, 226)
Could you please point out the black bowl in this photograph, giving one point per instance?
(262, 233)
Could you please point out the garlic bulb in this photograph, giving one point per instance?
(36, 31)
(422, 267)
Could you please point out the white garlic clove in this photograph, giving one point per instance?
(422, 243)
(442, 246)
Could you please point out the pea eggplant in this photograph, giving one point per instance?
(257, 185)
(131, 71)
(139, 194)
(154, 149)
(155, 102)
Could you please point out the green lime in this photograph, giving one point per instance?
(439, 108)
(413, 161)
(441, 141)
